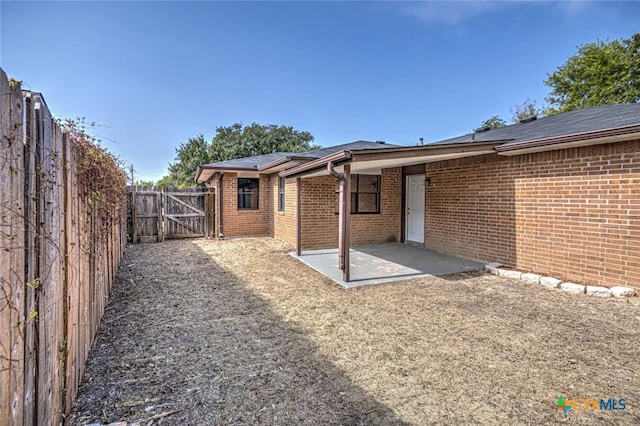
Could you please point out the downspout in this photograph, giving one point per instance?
(346, 272)
(333, 172)
(221, 204)
(341, 213)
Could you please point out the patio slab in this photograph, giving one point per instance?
(385, 263)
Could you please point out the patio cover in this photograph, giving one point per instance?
(366, 161)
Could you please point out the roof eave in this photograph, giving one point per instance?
(281, 161)
(598, 136)
(392, 152)
(201, 169)
(313, 165)
(408, 151)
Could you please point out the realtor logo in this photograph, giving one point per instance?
(563, 405)
(584, 404)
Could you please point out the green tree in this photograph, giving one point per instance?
(598, 74)
(189, 156)
(166, 181)
(144, 183)
(237, 141)
(494, 122)
(232, 142)
(525, 110)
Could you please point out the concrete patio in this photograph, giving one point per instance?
(385, 263)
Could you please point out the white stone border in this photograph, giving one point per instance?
(569, 287)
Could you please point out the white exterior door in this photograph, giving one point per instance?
(414, 214)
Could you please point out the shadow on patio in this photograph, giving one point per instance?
(385, 263)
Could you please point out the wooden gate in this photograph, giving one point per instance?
(159, 213)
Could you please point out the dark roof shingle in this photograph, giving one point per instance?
(259, 161)
(568, 123)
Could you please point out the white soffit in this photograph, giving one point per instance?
(205, 175)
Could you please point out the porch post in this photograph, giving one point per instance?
(344, 217)
(346, 271)
(298, 217)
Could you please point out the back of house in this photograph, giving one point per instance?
(556, 195)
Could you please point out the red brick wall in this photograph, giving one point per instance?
(237, 223)
(383, 227)
(572, 214)
(283, 224)
(320, 222)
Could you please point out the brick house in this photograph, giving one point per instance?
(559, 195)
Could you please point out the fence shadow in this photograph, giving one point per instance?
(186, 338)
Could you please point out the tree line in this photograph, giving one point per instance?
(230, 142)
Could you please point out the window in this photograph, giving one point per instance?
(365, 194)
(281, 183)
(248, 191)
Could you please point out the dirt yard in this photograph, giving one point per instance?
(202, 332)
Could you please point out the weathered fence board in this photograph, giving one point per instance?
(32, 218)
(12, 293)
(159, 213)
(56, 268)
(49, 265)
(72, 276)
(147, 216)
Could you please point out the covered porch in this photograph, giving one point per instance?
(385, 263)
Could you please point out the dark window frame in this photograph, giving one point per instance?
(356, 192)
(245, 193)
(281, 191)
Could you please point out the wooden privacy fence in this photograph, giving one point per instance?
(159, 213)
(56, 266)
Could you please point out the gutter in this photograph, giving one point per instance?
(573, 137)
(459, 146)
(253, 169)
(317, 164)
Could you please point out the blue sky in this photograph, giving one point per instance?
(154, 74)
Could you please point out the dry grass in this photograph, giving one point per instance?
(238, 332)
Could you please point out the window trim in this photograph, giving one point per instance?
(355, 192)
(281, 194)
(249, 193)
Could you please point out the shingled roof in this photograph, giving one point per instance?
(258, 162)
(276, 161)
(568, 123)
(586, 126)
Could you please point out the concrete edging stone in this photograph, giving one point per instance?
(569, 287)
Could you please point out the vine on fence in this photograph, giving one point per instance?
(100, 174)
(61, 222)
